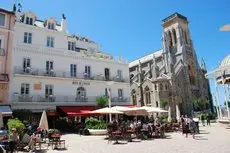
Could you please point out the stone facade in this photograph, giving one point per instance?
(171, 74)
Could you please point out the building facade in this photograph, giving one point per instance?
(172, 73)
(7, 20)
(54, 68)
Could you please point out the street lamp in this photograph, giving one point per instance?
(109, 94)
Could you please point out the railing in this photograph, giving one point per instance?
(66, 74)
(120, 99)
(2, 52)
(62, 98)
(4, 77)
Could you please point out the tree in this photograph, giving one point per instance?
(102, 101)
(164, 103)
(200, 104)
(17, 124)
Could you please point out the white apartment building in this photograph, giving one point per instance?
(54, 68)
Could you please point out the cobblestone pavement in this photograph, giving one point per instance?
(214, 139)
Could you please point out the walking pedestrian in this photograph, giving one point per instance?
(208, 119)
(182, 122)
(186, 128)
(202, 119)
(13, 139)
(192, 127)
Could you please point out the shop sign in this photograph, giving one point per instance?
(81, 83)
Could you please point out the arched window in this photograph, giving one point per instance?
(166, 87)
(147, 95)
(174, 36)
(81, 92)
(134, 97)
(157, 104)
(161, 86)
(191, 73)
(186, 37)
(155, 87)
(170, 39)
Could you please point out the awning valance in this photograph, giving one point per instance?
(6, 110)
(78, 110)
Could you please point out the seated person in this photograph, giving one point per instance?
(26, 137)
(145, 126)
(33, 140)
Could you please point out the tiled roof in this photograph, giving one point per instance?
(6, 11)
(146, 58)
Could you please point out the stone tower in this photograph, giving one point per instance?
(181, 60)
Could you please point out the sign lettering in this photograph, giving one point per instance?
(81, 83)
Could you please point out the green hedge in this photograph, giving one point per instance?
(93, 123)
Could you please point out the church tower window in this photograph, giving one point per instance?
(174, 36)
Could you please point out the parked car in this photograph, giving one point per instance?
(3, 135)
(4, 139)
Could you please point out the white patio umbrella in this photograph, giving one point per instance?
(120, 108)
(137, 111)
(154, 109)
(177, 113)
(43, 121)
(1, 120)
(169, 114)
(107, 110)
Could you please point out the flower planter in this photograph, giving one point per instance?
(97, 131)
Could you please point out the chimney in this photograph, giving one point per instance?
(14, 8)
(18, 13)
(63, 23)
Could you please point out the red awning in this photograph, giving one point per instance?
(78, 110)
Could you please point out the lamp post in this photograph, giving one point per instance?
(109, 100)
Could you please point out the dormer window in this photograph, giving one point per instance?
(51, 26)
(29, 20)
(71, 45)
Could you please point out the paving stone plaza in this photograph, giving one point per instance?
(214, 139)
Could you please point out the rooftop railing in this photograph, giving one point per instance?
(66, 74)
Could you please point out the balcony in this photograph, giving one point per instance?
(119, 99)
(66, 74)
(4, 77)
(62, 99)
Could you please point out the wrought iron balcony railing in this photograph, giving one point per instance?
(66, 74)
(61, 98)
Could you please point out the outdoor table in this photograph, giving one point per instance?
(129, 133)
(56, 138)
(116, 135)
(144, 132)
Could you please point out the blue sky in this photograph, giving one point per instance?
(132, 28)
